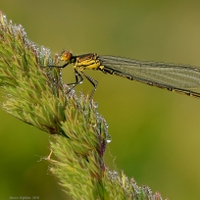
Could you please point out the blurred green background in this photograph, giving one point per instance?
(155, 133)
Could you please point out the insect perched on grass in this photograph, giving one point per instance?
(179, 78)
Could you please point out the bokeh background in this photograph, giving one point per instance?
(155, 133)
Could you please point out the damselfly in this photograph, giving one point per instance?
(179, 78)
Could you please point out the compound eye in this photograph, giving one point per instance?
(66, 56)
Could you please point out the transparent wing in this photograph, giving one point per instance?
(177, 76)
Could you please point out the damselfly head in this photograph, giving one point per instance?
(66, 56)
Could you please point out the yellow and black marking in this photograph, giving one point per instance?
(179, 78)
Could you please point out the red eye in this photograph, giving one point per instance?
(66, 56)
